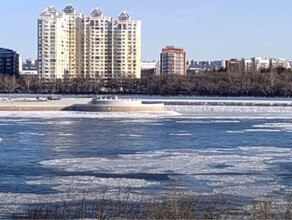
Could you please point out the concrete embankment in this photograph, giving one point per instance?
(78, 104)
(95, 108)
(52, 105)
(82, 104)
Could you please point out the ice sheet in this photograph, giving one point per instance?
(75, 114)
(237, 171)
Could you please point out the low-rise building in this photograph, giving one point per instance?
(261, 63)
(29, 73)
(196, 66)
(235, 65)
(149, 68)
(248, 64)
(218, 65)
(280, 62)
(30, 64)
(29, 68)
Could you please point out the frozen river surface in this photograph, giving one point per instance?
(53, 153)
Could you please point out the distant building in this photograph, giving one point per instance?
(30, 64)
(173, 61)
(29, 68)
(248, 64)
(280, 62)
(218, 65)
(148, 64)
(260, 63)
(149, 68)
(239, 65)
(9, 62)
(29, 73)
(196, 66)
(235, 65)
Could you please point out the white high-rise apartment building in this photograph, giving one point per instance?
(98, 45)
(126, 37)
(60, 43)
(95, 47)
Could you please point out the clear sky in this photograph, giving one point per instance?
(207, 29)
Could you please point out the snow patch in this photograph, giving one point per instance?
(31, 133)
(79, 183)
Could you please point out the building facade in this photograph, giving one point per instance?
(60, 43)
(30, 64)
(248, 64)
(149, 69)
(280, 62)
(9, 62)
(260, 63)
(196, 66)
(96, 47)
(126, 47)
(235, 65)
(29, 68)
(173, 61)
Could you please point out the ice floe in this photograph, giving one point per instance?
(180, 134)
(235, 132)
(262, 130)
(220, 168)
(250, 190)
(31, 133)
(231, 168)
(206, 121)
(168, 162)
(80, 183)
(65, 134)
(284, 126)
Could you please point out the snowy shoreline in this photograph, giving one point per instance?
(171, 111)
(237, 109)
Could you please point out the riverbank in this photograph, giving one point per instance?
(77, 104)
(175, 205)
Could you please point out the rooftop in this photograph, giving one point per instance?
(96, 12)
(69, 9)
(124, 16)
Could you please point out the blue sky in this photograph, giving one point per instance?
(207, 29)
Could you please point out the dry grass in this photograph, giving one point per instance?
(174, 205)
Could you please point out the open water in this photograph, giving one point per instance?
(51, 156)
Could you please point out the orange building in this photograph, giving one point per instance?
(173, 61)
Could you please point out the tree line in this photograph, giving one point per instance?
(275, 82)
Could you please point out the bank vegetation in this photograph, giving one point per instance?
(173, 205)
(270, 83)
